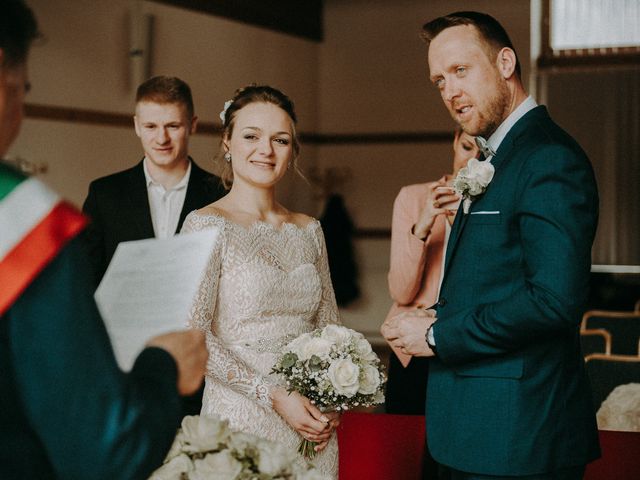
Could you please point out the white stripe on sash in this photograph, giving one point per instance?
(24, 208)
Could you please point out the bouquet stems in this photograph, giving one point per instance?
(307, 449)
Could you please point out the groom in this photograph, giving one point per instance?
(508, 396)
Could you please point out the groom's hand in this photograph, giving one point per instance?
(407, 332)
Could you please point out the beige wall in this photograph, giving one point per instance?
(82, 62)
(369, 75)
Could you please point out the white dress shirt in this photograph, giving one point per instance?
(165, 205)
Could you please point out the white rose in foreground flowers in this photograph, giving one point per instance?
(202, 433)
(473, 180)
(364, 350)
(369, 380)
(337, 334)
(343, 375)
(275, 458)
(174, 469)
(318, 346)
(216, 465)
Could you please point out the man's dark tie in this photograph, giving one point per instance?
(485, 149)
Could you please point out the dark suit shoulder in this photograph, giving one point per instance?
(118, 178)
(537, 136)
(210, 182)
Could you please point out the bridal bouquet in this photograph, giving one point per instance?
(205, 448)
(335, 368)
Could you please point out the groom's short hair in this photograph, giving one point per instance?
(493, 35)
(18, 29)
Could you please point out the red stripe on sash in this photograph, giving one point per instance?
(34, 252)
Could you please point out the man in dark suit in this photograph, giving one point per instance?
(508, 396)
(66, 409)
(153, 198)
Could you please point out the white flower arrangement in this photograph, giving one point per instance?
(335, 368)
(223, 113)
(205, 448)
(621, 409)
(473, 180)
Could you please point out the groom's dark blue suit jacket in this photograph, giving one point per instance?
(508, 393)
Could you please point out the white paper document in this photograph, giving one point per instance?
(149, 288)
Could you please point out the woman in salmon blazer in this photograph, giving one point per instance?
(419, 234)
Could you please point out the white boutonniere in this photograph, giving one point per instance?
(472, 181)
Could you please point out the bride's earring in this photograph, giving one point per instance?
(227, 157)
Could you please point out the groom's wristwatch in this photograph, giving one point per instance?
(430, 339)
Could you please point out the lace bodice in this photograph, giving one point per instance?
(263, 287)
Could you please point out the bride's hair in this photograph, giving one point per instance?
(243, 97)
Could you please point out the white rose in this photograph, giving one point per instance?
(363, 347)
(318, 346)
(202, 434)
(240, 441)
(173, 469)
(337, 334)
(479, 174)
(297, 345)
(274, 458)
(369, 380)
(343, 375)
(220, 465)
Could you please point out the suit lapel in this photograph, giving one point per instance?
(139, 212)
(197, 196)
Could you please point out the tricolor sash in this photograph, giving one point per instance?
(34, 226)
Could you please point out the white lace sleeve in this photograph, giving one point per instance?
(328, 309)
(223, 365)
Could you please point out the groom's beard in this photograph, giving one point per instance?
(493, 112)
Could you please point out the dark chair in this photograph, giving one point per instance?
(595, 341)
(624, 328)
(606, 372)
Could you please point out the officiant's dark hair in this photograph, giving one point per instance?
(243, 97)
(493, 34)
(18, 29)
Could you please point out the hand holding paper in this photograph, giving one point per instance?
(149, 288)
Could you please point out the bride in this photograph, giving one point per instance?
(267, 281)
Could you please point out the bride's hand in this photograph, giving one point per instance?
(304, 417)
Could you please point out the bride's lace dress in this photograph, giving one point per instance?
(263, 287)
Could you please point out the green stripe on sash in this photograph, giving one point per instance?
(10, 178)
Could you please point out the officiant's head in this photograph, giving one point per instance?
(18, 29)
(474, 65)
(259, 139)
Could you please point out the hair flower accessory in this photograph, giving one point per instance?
(472, 181)
(223, 113)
